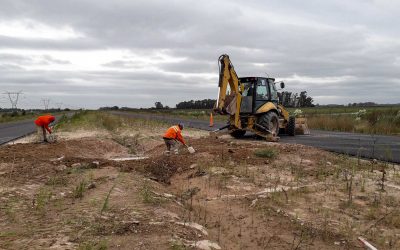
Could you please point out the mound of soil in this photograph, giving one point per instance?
(160, 168)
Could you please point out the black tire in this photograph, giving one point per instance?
(238, 133)
(270, 121)
(291, 126)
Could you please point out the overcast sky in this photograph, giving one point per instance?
(92, 53)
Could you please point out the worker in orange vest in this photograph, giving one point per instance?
(42, 124)
(172, 135)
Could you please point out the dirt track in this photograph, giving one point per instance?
(55, 196)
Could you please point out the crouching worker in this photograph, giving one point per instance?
(42, 124)
(172, 136)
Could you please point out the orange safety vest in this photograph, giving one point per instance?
(175, 133)
(44, 121)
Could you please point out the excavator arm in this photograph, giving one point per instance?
(229, 100)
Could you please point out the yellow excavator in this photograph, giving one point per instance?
(252, 104)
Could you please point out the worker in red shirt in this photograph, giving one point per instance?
(172, 136)
(42, 124)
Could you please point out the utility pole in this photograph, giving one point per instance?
(46, 102)
(13, 97)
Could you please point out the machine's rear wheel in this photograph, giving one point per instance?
(238, 133)
(291, 126)
(270, 121)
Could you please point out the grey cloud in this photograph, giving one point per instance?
(306, 38)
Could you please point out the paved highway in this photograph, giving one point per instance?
(14, 130)
(386, 148)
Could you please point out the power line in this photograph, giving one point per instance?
(13, 97)
(46, 102)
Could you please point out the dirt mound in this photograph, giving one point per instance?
(160, 168)
(83, 148)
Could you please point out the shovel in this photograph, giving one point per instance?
(190, 149)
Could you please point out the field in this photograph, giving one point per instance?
(79, 192)
(384, 120)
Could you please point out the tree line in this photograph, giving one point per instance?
(287, 99)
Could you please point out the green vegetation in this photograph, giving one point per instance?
(102, 120)
(375, 120)
(102, 245)
(79, 190)
(23, 115)
(369, 121)
(107, 200)
(266, 153)
(146, 193)
(42, 199)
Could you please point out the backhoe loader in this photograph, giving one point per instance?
(252, 104)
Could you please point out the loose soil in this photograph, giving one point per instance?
(71, 194)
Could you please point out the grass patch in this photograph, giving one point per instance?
(266, 153)
(57, 181)
(146, 194)
(103, 120)
(106, 200)
(101, 245)
(8, 234)
(378, 121)
(79, 190)
(42, 199)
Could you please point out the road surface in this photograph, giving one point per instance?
(13, 130)
(385, 148)
(10, 131)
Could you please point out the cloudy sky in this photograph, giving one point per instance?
(92, 53)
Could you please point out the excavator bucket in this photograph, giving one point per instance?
(301, 126)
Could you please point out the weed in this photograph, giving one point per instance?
(266, 153)
(102, 245)
(79, 190)
(10, 211)
(382, 179)
(106, 200)
(176, 245)
(8, 234)
(57, 181)
(146, 194)
(42, 199)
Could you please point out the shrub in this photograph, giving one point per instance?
(266, 153)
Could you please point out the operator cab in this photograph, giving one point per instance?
(256, 92)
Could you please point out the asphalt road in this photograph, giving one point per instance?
(13, 130)
(385, 148)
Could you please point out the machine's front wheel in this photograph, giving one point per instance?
(237, 133)
(270, 121)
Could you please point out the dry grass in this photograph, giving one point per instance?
(374, 122)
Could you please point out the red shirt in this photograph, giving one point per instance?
(44, 121)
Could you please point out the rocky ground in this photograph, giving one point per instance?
(78, 193)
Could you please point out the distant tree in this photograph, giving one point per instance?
(304, 100)
(158, 105)
(289, 99)
(199, 104)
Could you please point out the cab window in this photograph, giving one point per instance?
(274, 92)
(247, 89)
(262, 89)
